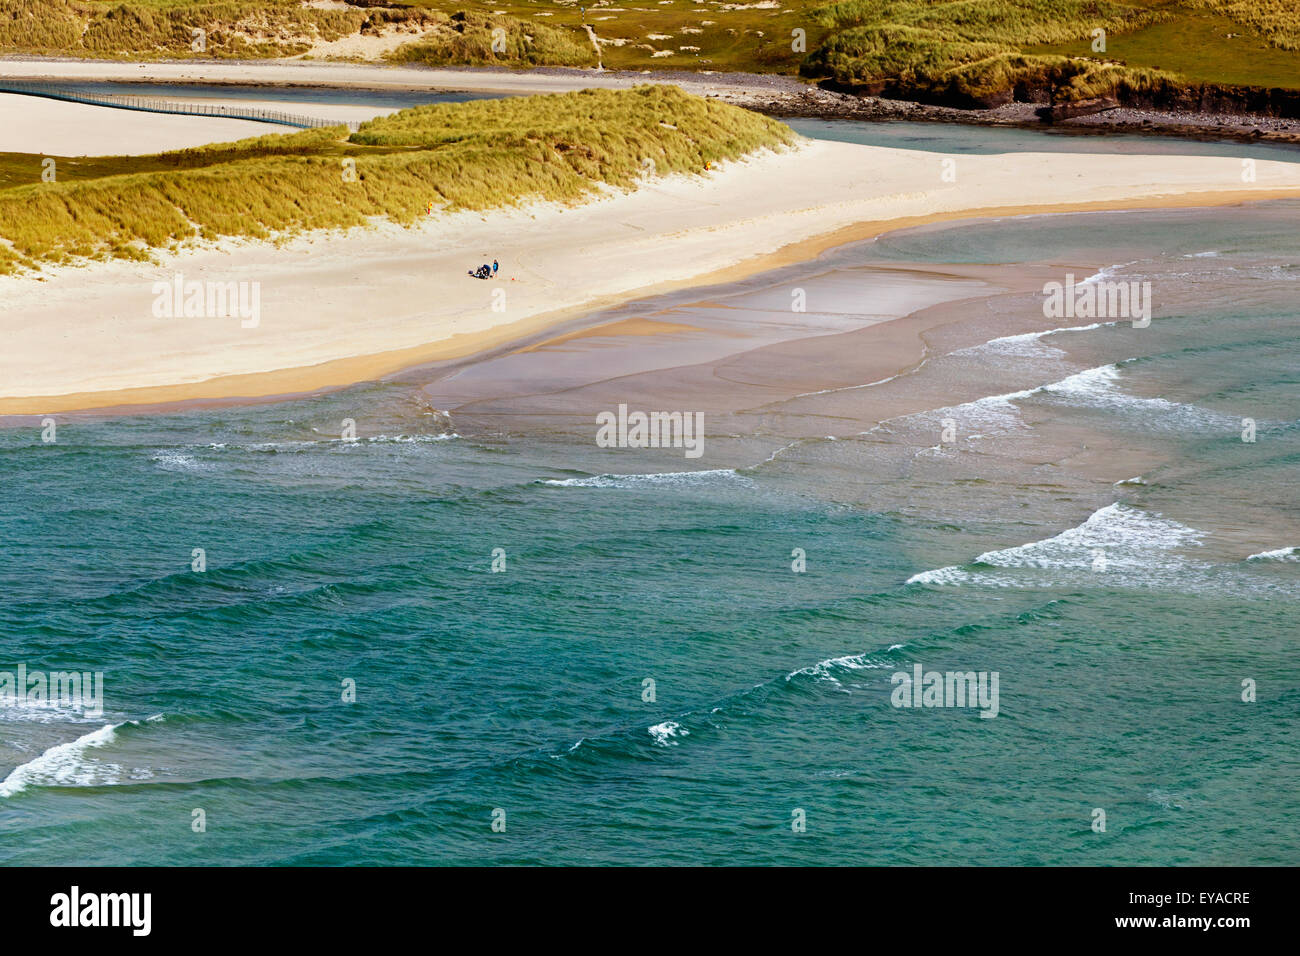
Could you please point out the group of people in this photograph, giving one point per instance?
(484, 271)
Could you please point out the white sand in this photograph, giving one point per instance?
(347, 298)
(30, 124)
(365, 46)
(331, 112)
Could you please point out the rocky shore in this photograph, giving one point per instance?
(785, 97)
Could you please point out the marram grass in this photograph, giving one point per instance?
(467, 39)
(148, 28)
(969, 50)
(276, 28)
(478, 155)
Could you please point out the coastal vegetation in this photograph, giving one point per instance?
(475, 39)
(960, 52)
(970, 54)
(1278, 21)
(454, 156)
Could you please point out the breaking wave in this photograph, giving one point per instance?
(1281, 554)
(1119, 543)
(653, 478)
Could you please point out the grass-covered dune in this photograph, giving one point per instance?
(970, 53)
(957, 52)
(232, 28)
(465, 38)
(138, 29)
(476, 155)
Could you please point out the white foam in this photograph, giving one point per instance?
(1099, 388)
(653, 478)
(823, 670)
(1165, 800)
(1105, 273)
(66, 765)
(44, 712)
(1281, 554)
(359, 440)
(1026, 344)
(992, 414)
(411, 439)
(1091, 382)
(664, 733)
(1118, 543)
(172, 460)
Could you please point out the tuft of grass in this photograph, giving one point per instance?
(477, 155)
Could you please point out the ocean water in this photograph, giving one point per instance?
(1097, 534)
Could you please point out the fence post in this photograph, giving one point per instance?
(151, 104)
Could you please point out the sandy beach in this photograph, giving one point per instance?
(58, 128)
(340, 308)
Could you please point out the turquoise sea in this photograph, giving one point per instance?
(1098, 534)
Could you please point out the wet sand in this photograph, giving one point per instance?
(745, 357)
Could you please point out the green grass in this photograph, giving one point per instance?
(968, 51)
(965, 52)
(1277, 21)
(1197, 46)
(476, 155)
(468, 38)
(164, 28)
(688, 35)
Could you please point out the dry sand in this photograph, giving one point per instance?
(336, 309)
(57, 128)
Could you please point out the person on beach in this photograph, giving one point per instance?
(494, 267)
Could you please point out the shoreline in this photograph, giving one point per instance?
(369, 304)
(280, 384)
